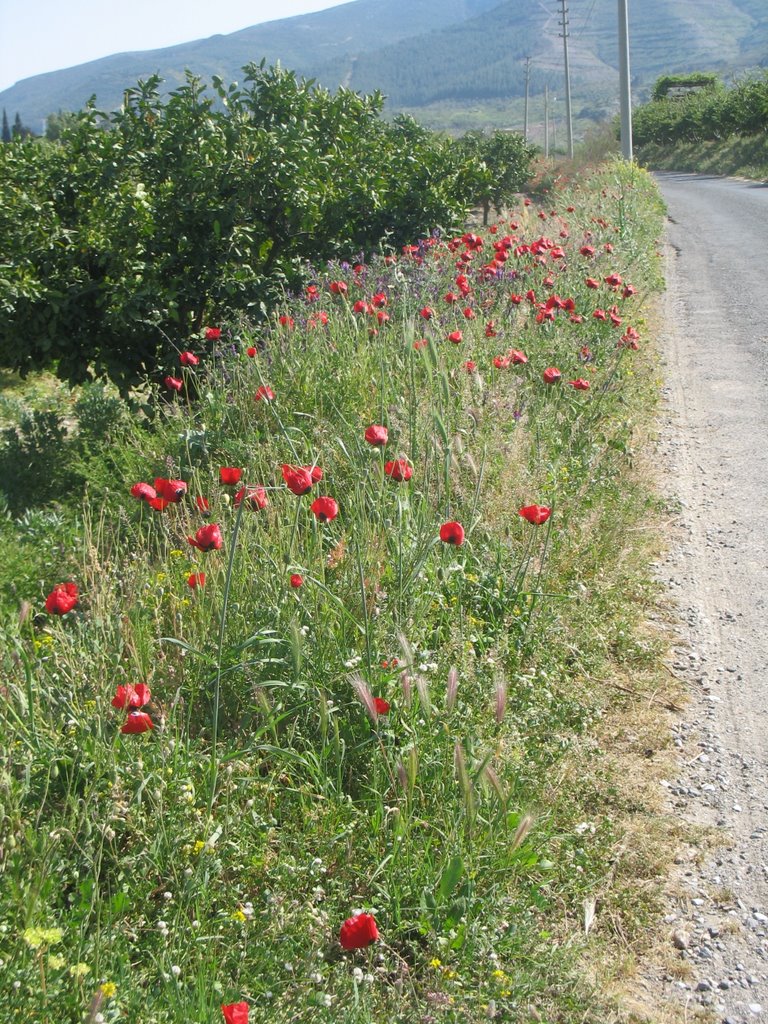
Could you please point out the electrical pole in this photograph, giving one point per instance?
(568, 117)
(625, 100)
(527, 84)
(546, 122)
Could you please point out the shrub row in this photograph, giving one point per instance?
(123, 237)
(705, 114)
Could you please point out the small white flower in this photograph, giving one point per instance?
(175, 970)
(357, 975)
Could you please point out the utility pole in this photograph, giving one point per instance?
(568, 117)
(527, 84)
(546, 122)
(625, 100)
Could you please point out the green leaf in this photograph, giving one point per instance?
(451, 877)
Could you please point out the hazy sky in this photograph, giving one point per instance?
(46, 35)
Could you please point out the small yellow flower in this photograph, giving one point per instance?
(435, 962)
(79, 970)
(239, 916)
(161, 577)
(108, 989)
(56, 962)
(176, 553)
(37, 937)
(198, 847)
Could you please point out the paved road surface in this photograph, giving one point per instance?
(715, 446)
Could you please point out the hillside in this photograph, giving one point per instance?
(454, 51)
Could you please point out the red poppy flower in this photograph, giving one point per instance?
(212, 333)
(551, 375)
(173, 383)
(285, 321)
(338, 287)
(202, 505)
(628, 291)
(379, 300)
(376, 435)
(452, 533)
(358, 932)
(207, 538)
(518, 358)
(450, 297)
(143, 491)
(580, 384)
(131, 696)
(381, 705)
(398, 470)
(137, 721)
(325, 509)
(62, 599)
(427, 313)
(382, 316)
(613, 280)
(195, 580)
(230, 475)
(296, 580)
(599, 314)
(159, 504)
(490, 329)
(515, 299)
(456, 337)
(264, 393)
(501, 362)
(470, 366)
(235, 1013)
(536, 514)
(189, 359)
(170, 490)
(298, 479)
(251, 351)
(254, 497)
(420, 343)
(469, 313)
(587, 250)
(361, 306)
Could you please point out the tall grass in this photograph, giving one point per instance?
(214, 858)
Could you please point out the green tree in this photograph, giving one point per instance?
(6, 137)
(140, 227)
(56, 124)
(503, 161)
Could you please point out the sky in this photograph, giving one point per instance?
(46, 35)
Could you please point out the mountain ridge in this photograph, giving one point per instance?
(420, 53)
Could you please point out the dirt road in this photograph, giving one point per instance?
(715, 446)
